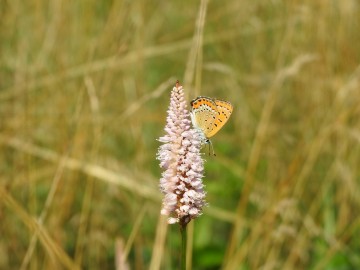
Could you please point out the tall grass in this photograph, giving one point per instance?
(84, 87)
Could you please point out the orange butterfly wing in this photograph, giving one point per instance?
(224, 110)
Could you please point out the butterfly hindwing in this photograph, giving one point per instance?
(204, 114)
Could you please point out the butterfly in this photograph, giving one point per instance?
(209, 115)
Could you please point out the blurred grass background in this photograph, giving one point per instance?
(84, 89)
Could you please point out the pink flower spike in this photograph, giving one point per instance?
(181, 160)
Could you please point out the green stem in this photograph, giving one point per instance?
(183, 246)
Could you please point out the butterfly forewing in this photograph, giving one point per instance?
(224, 110)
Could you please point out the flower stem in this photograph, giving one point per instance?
(183, 245)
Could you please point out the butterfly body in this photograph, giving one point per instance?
(210, 115)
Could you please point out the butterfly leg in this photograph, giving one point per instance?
(210, 146)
